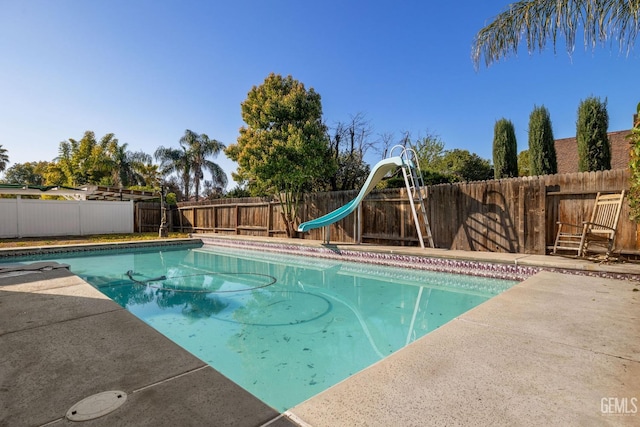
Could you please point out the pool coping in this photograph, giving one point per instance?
(8, 253)
(374, 396)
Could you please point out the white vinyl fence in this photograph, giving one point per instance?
(35, 218)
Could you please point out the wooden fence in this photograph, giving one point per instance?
(148, 215)
(253, 216)
(516, 215)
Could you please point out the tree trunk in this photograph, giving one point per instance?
(289, 225)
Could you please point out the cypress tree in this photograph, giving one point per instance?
(594, 151)
(505, 150)
(542, 151)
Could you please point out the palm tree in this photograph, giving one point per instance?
(539, 21)
(175, 160)
(4, 158)
(199, 148)
(127, 166)
(120, 166)
(191, 160)
(150, 174)
(143, 171)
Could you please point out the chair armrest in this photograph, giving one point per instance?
(598, 225)
(568, 224)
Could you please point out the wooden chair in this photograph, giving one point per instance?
(601, 229)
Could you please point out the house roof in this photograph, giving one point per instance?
(89, 192)
(567, 152)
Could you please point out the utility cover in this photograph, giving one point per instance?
(97, 405)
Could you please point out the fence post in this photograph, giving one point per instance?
(80, 231)
(358, 226)
(214, 221)
(237, 212)
(523, 196)
(133, 226)
(19, 215)
(541, 218)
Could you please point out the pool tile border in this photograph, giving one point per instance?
(442, 265)
(494, 270)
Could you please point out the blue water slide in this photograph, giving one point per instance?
(377, 173)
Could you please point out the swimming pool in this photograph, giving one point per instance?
(283, 327)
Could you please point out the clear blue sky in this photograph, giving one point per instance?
(148, 70)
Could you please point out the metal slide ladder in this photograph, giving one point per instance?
(415, 190)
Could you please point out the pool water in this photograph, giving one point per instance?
(283, 327)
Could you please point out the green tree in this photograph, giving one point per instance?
(594, 151)
(524, 163)
(505, 150)
(464, 165)
(237, 192)
(4, 158)
(85, 161)
(430, 150)
(444, 166)
(634, 166)
(542, 150)
(538, 21)
(150, 174)
(428, 177)
(30, 173)
(439, 165)
(53, 174)
(103, 162)
(283, 148)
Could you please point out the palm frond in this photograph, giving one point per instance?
(537, 22)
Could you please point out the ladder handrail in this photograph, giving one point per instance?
(412, 204)
(414, 183)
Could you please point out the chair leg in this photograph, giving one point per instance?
(582, 249)
(609, 249)
(555, 245)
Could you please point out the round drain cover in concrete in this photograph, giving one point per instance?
(97, 405)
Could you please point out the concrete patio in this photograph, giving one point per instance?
(556, 349)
